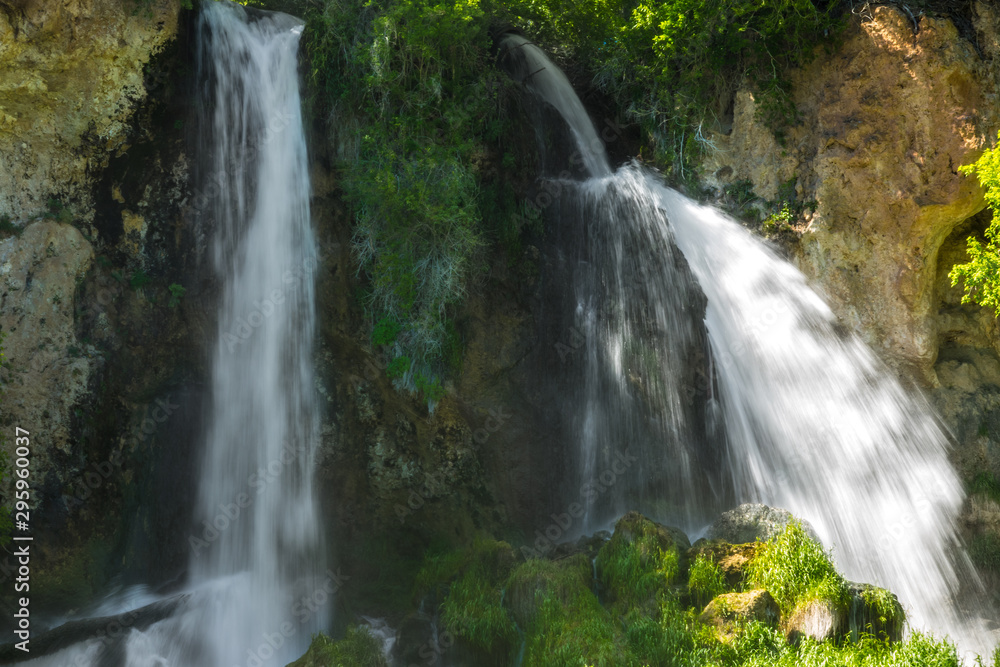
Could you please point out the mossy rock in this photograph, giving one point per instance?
(732, 559)
(472, 611)
(641, 560)
(358, 648)
(818, 619)
(875, 611)
(535, 581)
(728, 611)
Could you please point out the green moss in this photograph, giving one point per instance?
(705, 581)
(986, 485)
(472, 581)
(984, 550)
(640, 562)
(358, 648)
(794, 568)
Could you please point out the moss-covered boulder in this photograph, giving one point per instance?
(536, 581)
(875, 611)
(641, 559)
(471, 583)
(818, 618)
(728, 611)
(358, 648)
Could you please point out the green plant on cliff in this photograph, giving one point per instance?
(980, 276)
(669, 64)
(414, 104)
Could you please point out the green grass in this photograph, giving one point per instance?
(794, 568)
(494, 604)
(705, 581)
(358, 648)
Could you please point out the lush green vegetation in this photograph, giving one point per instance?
(980, 276)
(358, 648)
(642, 612)
(420, 122)
(674, 65)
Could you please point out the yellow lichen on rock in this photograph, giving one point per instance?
(887, 118)
(72, 75)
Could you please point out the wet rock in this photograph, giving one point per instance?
(47, 368)
(819, 619)
(751, 522)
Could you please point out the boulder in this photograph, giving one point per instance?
(818, 619)
(875, 611)
(752, 522)
(641, 557)
(870, 610)
(727, 611)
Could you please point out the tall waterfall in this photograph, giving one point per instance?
(255, 594)
(264, 428)
(794, 411)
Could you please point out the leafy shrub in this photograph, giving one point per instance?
(176, 293)
(980, 276)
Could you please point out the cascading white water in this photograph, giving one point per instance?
(264, 427)
(809, 418)
(256, 594)
(530, 66)
(817, 424)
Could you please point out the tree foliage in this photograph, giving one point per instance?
(980, 276)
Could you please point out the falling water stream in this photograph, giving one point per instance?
(255, 594)
(797, 412)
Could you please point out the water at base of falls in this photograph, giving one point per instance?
(794, 411)
(256, 591)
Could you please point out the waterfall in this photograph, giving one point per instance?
(255, 593)
(264, 428)
(529, 65)
(794, 411)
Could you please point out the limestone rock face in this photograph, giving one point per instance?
(72, 74)
(48, 368)
(887, 119)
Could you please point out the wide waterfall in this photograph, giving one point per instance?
(256, 591)
(792, 410)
